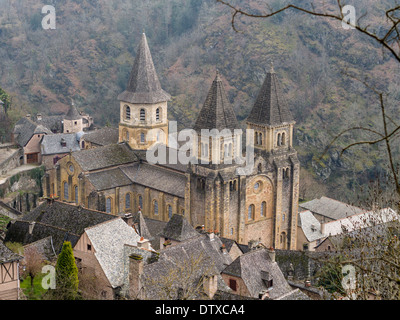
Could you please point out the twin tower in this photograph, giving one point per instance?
(261, 205)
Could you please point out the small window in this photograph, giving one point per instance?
(66, 191)
(263, 209)
(158, 114)
(233, 284)
(169, 212)
(156, 208)
(141, 202)
(76, 195)
(128, 201)
(128, 113)
(142, 138)
(89, 247)
(142, 115)
(108, 205)
(251, 212)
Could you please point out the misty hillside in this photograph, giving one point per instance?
(88, 58)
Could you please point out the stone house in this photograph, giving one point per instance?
(309, 233)
(9, 274)
(261, 204)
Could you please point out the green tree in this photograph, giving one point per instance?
(6, 99)
(66, 274)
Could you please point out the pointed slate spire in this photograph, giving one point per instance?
(144, 85)
(217, 112)
(73, 113)
(270, 108)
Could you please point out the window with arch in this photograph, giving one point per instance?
(279, 140)
(283, 139)
(108, 205)
(251, 212)
(127, 113)
(256, 138)
(66, 191)
(140, 202)
(259, 168)
(283, 217)
(263, 209)
(169, 212)
(128, 201)
(76, 194)
(260, 139)
(142, 138)
(142, 115)
(156, 207)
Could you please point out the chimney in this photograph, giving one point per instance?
(223, 249)
(28, 116)
(144, 244)
(128, 218)
(323, 228)
(39, 117)
(210, 285)
(211, 235)
(307, 283)
(272, 254)
(135, 271)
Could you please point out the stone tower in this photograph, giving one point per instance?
(277, 168)
(144, 104)
(212, 184)
(73, 121)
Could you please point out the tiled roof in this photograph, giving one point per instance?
(270, 107)
(155, 228)
(6, 255)
(179, 229)
(24, 130)
(108, 240)
(61, 221)
(51, 144)
(157, 178)
(217, 112)
(53, 123)
(104, 157)
(144, 85)
(73, 113)
(330, 208)
(310, 226)
(249, 268)
(108, 179)
(102, 137)
(141, 226)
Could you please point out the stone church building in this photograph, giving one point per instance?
(118, 179)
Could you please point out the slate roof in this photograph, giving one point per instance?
(155, 228)
(53, 123)
(141, 226)
(108, 240)
(144, 85)
(249, 268)
(73, 113)
(102, 137)
(24, 130)
(217, 112)
(179, 229)
(61, 221)
(51, 144)
(44, 247)
(104, 157)
(108, 179)
(270, 108)
(157, 178)
(6, 255)
(310, 226)
(330, 208)
(212, 262)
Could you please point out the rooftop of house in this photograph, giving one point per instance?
(61, 221)
(108, 240)
(24, 130)
(59, 143)
(6, 255)
(310, 226)
(330, 208)
(179, 229)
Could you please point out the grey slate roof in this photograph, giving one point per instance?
(155, 228)
(25, 129)
(144, 85)
(102, 137)
(108, 240)
(179, 229)
(45, 248)
(53, 123)
(249, 268)
(104, 157)
(212, 262)
(108, 179)
(73, 113)
(330, 208)
(157, 178)
(51, 144)
(270, 107)
(6, 255)
(141, 226)
(310, 226)
(61, 221)
(217, 112)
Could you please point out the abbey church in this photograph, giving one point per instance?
(117, 178)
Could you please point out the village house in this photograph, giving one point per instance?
(9, 274)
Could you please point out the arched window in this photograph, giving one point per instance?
(66, 191)
(108, 205)
(283, 217)
(251, 212)
(264, 209)
(142, 138)
(256, 138)
(141, 202)
(142, 115)
(230, 150)
(127, 135)
(76, 194)
(259, 168)
(127, 113)
(260, 137)
(158, 114)
(169, 212)
(128, 201)
(156, 207)
(279, 140)
(283, 138)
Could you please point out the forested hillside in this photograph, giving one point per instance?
(88, 59)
